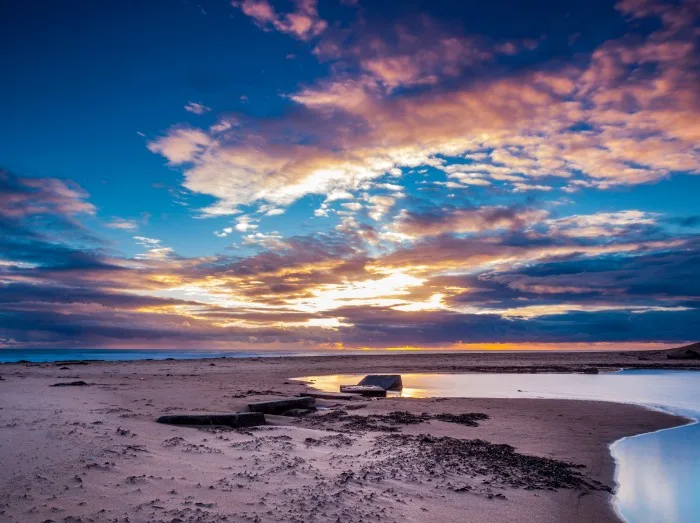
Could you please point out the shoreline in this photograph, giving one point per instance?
(86, 423)
(468, 361)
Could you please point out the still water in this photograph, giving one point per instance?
(658, 474)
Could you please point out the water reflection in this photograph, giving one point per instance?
(658, 474)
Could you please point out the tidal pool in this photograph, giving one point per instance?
(657, 475)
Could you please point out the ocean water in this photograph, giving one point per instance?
(657, 474)
(47, 355)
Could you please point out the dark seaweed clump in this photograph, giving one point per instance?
(475, 463)
(392, 421)
(469, 419)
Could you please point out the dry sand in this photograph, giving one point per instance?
(94, 453)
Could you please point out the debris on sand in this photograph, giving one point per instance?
(390, 422)
(70, 384)
(469, 419)
(351, 423)
(192, 448)
(334, 440)
(443, 460)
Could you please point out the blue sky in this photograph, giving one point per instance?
(348, 174)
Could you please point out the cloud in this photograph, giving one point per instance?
(154, 251)
(379, 205)
(305, 291)
(272, 241)
(465, 221)
(181, 145)
(24, 197)
(223, 232)
(523, 187)
(302, 23)
(653, 277)
(122, 224)
(39, 224)
(602, 224)
(426, 59)
(510, 115)
(196, 108)
(415, 105)
(146, 242)
(535, 311)
(245, 223)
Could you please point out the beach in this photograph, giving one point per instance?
(95, 453)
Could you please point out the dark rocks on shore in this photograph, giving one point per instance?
(687, 352)
(282, 406)
(235, 420)
(385, 381)
(70, 384)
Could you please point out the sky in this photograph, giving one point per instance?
(347, 174)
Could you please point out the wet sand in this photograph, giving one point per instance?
(94, 452)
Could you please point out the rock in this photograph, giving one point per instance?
(331, 395)
(281, 406)
(70, 384)
(687, 352)
(235, 420)
(385, 381)
(373, 391)
(687, 355)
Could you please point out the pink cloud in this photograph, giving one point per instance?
(20, 197)
(181, 145)
(466, 221)
(635, 128)
(303, 23)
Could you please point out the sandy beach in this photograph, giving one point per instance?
(95, 453)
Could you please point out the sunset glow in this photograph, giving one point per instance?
(346, 176)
